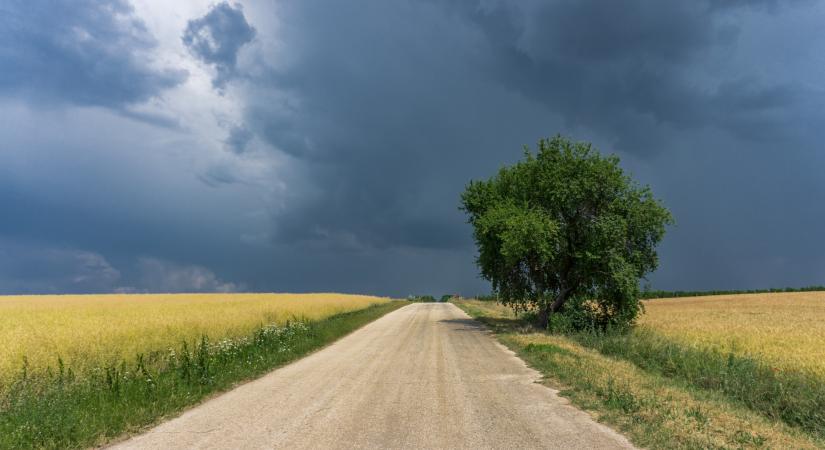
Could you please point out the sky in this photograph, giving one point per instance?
(309, 146)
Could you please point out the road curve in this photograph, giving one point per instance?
(424, 376)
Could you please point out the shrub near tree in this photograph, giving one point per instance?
(565, 230)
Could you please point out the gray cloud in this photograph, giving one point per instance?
(83, 52)
(40, 268)
(30, 267)
(238, 139)
(217, 37)
(217, 175)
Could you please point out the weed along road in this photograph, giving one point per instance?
(424, 376)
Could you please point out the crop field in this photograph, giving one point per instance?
(785, 330)
(79, 370)
(89, 331)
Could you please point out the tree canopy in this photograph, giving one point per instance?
(565, 229)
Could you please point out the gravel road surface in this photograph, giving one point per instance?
(424, 376)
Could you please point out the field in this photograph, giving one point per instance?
(739, 371)
(89, 331)
(78, 371)
(785, 330)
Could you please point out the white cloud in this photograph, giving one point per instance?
(157, 275)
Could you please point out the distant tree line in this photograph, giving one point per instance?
(430, 298)
(648, 294)
(651, 294)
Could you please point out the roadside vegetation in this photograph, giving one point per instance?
(62, 405)
(694, 373)
(86, 332)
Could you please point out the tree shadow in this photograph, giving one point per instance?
(464, 324)
(496, 325)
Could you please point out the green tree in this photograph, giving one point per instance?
(566, 230)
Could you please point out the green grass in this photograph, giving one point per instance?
(64, 410)
(662, 395)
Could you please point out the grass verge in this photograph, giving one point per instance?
(794, 397)
(66, 410)
(624, 388)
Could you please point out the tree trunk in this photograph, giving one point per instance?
(546, 310)
(560, 299)
(543, 318)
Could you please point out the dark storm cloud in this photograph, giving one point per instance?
(385, 111)
(377, 114)
(84, 52)
(216, 38)
(384, 126)
(620, 67)
(390, 111)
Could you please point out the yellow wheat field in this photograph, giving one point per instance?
(786, 330)
(88, 331)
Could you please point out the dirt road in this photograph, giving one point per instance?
(425, 376)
